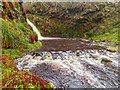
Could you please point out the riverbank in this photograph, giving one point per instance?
(18, 39)
(109, 34)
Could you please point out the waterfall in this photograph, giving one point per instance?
(40, 37)
(34, 29)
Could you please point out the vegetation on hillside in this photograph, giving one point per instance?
(13, 78)
(85, 20)
(96, 21)
(16, 33)
(17, 36)
(109, 34)
(17, 39)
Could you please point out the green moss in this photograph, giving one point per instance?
(16, 38)
(108, 36)
(13, 53)
(34, 46)
(112, 49)
(16, 53)
(14, 34)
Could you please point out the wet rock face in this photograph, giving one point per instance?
(74, 69)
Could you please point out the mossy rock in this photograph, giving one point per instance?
(106, 60)
(112, 49)
(51, 85)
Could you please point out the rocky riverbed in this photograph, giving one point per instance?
(74, 69)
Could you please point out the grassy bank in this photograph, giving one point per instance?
(17, 38)
(109, 34)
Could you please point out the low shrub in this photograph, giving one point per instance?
(13, 78)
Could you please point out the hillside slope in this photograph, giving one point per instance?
(17, 39)
(17, 35)
(85, 20)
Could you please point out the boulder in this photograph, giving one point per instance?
(59, 57)
(50, 85)
(78, 53)
(37, 54)
(37, 57)
(105, 60)
(55, 55)
(48, 57)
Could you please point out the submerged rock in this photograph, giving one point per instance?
(62, 55)
(27, 70)
(112, 49)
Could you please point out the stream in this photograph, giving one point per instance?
(73, 63)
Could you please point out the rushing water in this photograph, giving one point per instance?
(72, 63)
(82, 66)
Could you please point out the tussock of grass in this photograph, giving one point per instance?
(35, 45)
(111, 36)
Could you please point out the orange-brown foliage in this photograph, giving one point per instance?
(17, 77)
(33, 38)
(8, 62)
(36, 38)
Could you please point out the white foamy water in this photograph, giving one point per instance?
(65, 69)
(40, 37)
(83, 71)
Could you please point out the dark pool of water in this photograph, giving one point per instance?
(67, 44)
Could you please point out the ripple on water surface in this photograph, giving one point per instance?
(67, 69)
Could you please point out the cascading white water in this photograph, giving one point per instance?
(71, 71)
(40, 37)
(34, 29)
